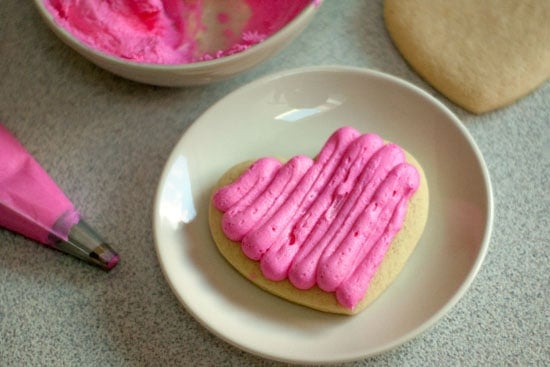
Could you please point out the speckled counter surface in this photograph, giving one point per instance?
(105, 141)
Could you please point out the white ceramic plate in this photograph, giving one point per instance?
(294, 112)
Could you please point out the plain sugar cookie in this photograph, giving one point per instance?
(482, 55)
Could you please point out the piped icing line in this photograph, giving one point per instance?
(329, 159)
(303, 272)
(240, 219)
(276, 194)
(327, 222)
(335, 267)
(256, 242)
(351, 291)
(277, 234)
(278, 257)
(249, 184)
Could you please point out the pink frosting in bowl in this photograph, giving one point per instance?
(177, 42)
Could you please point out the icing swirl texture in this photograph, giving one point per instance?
(324, 222)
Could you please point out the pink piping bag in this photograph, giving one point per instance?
(32, 205)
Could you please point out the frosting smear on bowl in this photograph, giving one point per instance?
(324, 222)
(173, 31)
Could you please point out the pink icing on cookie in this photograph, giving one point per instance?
(325, 222)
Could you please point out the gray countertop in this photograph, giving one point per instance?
(105, 141)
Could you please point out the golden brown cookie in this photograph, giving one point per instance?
(482, 55)
(401, 248)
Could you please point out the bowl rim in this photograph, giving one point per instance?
(72, 41)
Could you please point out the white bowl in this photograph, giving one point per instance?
(185, 74)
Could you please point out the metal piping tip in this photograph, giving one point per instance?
(104, 256)
(85, 243)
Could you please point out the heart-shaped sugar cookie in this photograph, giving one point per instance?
(482, 55)
(330, 233)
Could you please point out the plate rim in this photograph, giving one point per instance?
(365, 72)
